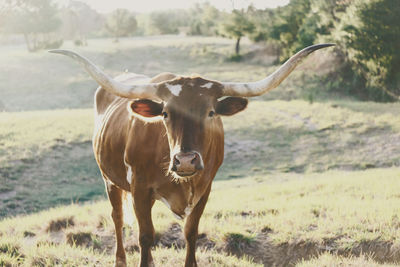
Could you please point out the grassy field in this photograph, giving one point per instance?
(315, 182)
(48, 153)
(279, 220)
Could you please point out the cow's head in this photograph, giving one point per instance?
(189, 106)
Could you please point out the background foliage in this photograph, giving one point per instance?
(367, 33)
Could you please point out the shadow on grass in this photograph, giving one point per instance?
(65, 174)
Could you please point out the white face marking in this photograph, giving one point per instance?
(129, 174)
(174, 89)
(207, 85)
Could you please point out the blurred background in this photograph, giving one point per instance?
(366, 32)
(315, 161)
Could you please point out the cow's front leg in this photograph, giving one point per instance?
(143, 202)
(191, 229)
(115, 196)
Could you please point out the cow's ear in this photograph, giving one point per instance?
(231, 105)
(146, 109)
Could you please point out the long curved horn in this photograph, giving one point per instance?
(273, 80)
(109, 84)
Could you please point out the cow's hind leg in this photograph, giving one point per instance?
(143, 202)
(115, 196)
(191, 229)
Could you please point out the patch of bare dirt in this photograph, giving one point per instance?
(241, 150)
(173, 237)
(204, 242)
(29, 234)
(264, 251)
(68, 164)
(107, 242)
(238, 245)
(260, 248)
(82, 239)
(59, 224)
(381, 251)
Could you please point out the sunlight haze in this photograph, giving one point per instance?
(153, 5)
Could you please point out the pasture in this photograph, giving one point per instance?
(307, 173)
(263, 219)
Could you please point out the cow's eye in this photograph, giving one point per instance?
(165, 115)
(211, 113)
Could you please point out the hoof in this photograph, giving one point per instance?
(151, 264)
(120, 263)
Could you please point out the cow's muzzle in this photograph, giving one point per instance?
(187, 163)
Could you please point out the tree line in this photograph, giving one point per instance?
(367, 32)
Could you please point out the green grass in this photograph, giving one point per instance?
(29, 134)
(49, 152)
(295, 136)
(269, 219)
(46, 154)
(331, 203)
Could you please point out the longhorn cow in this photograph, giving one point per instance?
(162, 139)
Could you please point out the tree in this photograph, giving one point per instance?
(36, 20)
(201, 19)
(287, 24)
(79, 20)
(169, 21)
(263, 21)
(210, 16)
(236, 26)
(164, 22)
(121, 23)
(5, 10)
(204, 19)
(372, 43)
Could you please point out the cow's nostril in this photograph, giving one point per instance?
(176, 161)
(193, 161)
(187, 163)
